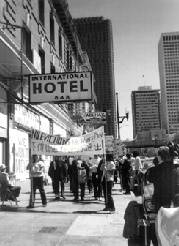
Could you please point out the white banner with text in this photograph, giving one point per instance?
(89, 144)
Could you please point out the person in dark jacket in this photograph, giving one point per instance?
(53, 172)
(133, 213)
(63, 172)
(161, 177)
(133, 230)
(175, 185)
(70, 172)
(126, 168)
(99, 177)
(74, 173)
(175, 180)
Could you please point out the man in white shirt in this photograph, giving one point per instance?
(37, 172)
(107, 182)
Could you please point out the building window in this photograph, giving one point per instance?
(71, 63)
(60, 44)
(52, 68)
(26, 42)
(42, 58)
(69, 60)
(52, 29)
(41, 11)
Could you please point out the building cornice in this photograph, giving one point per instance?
(62, 10)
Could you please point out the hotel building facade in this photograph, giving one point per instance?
(35, 37)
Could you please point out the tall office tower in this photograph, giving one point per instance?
(168, 57)
(145, 109)
(96, 38)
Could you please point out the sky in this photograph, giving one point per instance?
(137, 26)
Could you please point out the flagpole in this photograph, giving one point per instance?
(104, 171)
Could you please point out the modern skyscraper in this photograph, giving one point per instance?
(168, 57)
(145, 109)
(96, 38)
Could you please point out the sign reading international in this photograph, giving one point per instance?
(60, 87)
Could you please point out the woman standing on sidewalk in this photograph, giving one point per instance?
(37, 171)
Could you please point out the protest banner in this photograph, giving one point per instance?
(89, 144)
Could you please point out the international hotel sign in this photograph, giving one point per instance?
(60, 87)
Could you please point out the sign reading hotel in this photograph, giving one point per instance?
(60, 87)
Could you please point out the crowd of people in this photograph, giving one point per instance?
(164, 175)
(96, 177)
(93, 176)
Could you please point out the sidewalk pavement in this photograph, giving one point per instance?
(64, 222)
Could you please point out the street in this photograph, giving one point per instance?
(63, 222)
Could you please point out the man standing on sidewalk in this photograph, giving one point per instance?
(54, 174)
(107, 182)
(62, 175)
(37, 171)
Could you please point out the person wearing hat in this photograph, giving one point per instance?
(4, 178)
(8, 191)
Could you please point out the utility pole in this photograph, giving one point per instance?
(120, 119)
(117, 110)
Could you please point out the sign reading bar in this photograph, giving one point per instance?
(95, 117)
(60, 87)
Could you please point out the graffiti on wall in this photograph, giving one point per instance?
(19, 153)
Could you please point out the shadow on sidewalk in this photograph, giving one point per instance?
(85, 201)
(92, 212)
(33, 211)
(85, 212)
(25, 210)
